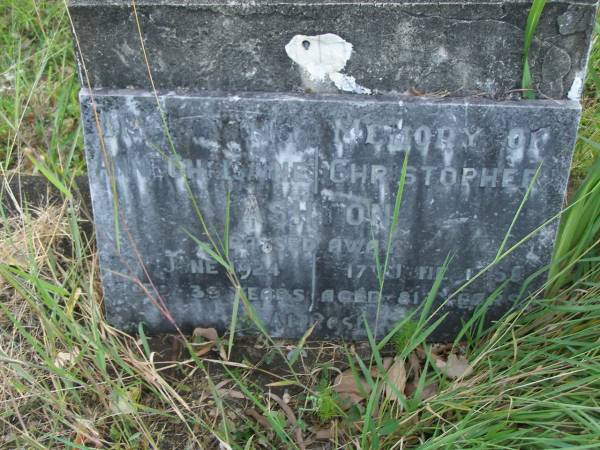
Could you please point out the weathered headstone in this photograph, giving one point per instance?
(308, 173)
(464, 48)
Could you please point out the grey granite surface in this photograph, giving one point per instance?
(312, 182)
(462, 48)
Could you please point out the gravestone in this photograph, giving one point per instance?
(279, 130)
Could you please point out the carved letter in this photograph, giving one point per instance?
(489, 179)
(468, 174)
(471, 137)
(333, 174)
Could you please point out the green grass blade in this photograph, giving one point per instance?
(533, 19)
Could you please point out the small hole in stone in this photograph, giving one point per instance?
(306, 45)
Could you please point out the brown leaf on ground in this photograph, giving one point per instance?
(231, 394)
(323, 434)
(347, 383)
(387, 362)
(414, 365)
(428, 392)
(292, 421)
(348, 390)
(262, 420)
(396, 381)
(211, 336)
(224, 392)
(441, 349)
(455, 367)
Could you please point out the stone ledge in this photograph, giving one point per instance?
(475, 49)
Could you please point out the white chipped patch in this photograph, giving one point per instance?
(319, 55)
(347, 83)
(577, 86)
(323, 57)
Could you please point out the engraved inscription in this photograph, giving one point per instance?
(302, 192)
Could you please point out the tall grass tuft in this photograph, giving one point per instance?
(533, 19)
(576, 253)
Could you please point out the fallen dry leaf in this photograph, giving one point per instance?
(387, 362)
(207, 333)
(262, 420)
(63, 359)
(347, 389)
(323, 434)
(414, 365)
(223, 392)
(230, 393)
(441, 349)
(346, 383)
(211, 336)
(122, 404)
(292, 421)
(396, 381)
(428, 391)
(455, 367)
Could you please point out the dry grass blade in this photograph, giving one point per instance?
(24, 239)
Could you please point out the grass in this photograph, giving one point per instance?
(69, 380)
(535, 12)
(39, 111)
(587, 148)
